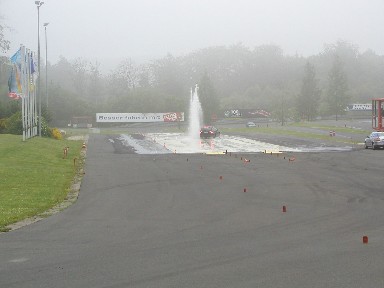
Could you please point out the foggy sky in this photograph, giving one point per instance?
(147, 29)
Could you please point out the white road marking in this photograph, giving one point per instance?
(19, 260)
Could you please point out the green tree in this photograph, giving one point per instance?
(8, 106)
(14, 124)
(208, 98)
(95, 89)
(4, 43)
(282, 99)
(66, 104)
(80, 76)
(168, 76)
(308, 100)
(337, 97)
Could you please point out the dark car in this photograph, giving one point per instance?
(375, 140)
(209, 132)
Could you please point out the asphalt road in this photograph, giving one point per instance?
(209, 221)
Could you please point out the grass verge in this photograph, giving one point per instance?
(315, 134)
(34, 175)
(345, 129)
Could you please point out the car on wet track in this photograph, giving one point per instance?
(374, 140)
(209, 132)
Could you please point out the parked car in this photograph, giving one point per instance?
(375, 140)
(250, 124)
(209, 132)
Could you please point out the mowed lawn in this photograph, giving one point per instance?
(34, 176)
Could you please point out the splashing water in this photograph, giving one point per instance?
(195, 115)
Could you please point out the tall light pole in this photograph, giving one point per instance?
(46, 63)
(38, 5)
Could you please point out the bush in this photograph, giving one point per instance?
(56, 133)
(14, 125)
(2, 125)
(45, 130)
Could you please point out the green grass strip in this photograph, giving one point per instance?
(34, 177)
(331, 128)
(289, 132)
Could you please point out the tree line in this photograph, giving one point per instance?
(229, 77)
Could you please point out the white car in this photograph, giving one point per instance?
(375, 140)
(250, 124)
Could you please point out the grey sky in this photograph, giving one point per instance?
(145, 29)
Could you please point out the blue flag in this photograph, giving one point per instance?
(14, 81)
(16, 58)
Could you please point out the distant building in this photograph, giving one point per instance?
(246, 113)
(81, 122)
(359, 111)
(355, 107)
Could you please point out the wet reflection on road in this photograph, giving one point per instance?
(163, 143)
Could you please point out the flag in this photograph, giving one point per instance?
(14, 81)
(16, 58)
(33, 72)
(12, 85)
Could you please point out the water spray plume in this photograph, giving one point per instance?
(195, 114)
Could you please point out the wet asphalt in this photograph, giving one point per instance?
(183, 220)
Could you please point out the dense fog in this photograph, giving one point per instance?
(294, 59)
(149, 29)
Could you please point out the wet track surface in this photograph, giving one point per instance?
(199, 220)
(165, 143)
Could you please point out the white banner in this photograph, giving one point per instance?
(139, 117)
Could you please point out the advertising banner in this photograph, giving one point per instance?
(139, 117)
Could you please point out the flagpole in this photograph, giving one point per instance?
(34, 104)
(21, 86)
(28, 106)
(32, 100)
(22, 81)
(46, 63)
(38, 5)
(27, 83)
(30, 93)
